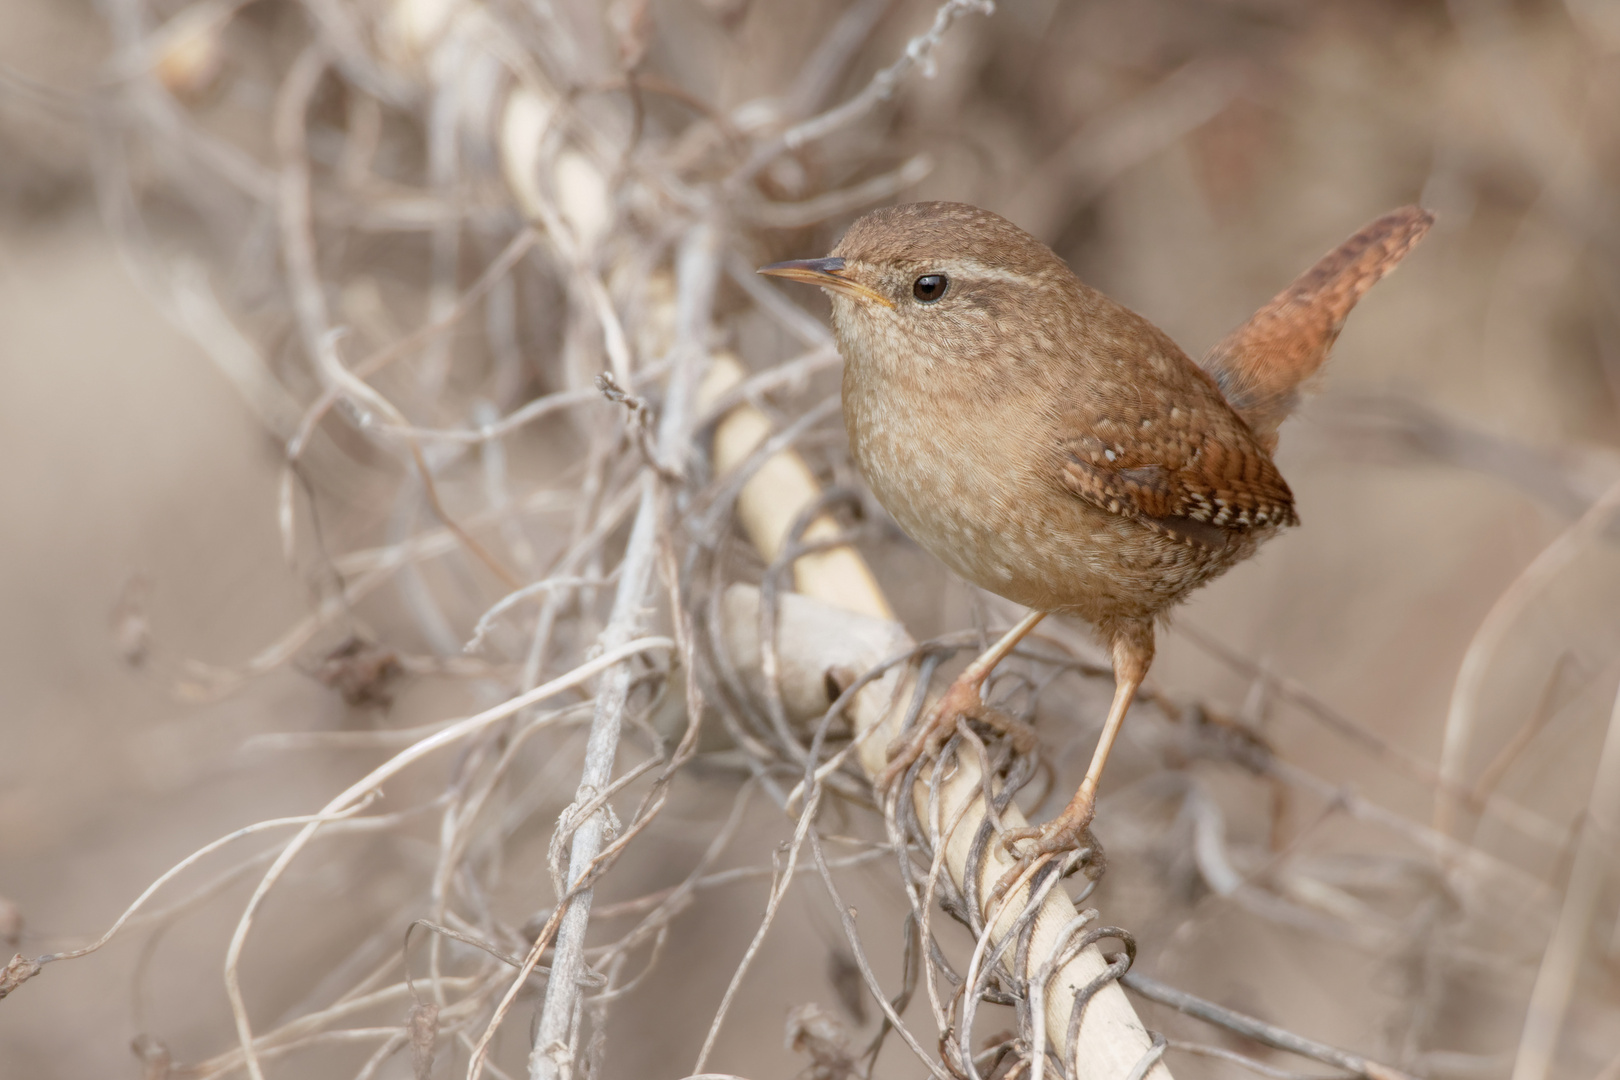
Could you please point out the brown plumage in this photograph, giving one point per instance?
(1261, 365)
(1056, 448)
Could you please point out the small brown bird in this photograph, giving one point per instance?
(1056, 448)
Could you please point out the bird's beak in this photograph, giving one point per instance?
(827, 273)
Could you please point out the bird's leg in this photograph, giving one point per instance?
(960, 699)
(1133, 652)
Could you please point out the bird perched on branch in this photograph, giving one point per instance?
(1056, 448)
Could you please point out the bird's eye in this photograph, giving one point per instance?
(930, 287)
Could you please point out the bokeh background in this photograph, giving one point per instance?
(1452, 600)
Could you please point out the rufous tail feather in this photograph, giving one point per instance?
(1261, 365)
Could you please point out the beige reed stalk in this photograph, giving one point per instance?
(1112, 1040)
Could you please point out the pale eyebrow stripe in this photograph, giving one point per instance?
(975, 269)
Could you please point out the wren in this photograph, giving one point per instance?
(1056, 448)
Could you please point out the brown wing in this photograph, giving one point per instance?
(1153, 440)
(1220, 490)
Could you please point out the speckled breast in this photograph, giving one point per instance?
(985, 500)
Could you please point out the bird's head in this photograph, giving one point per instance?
(925, 284)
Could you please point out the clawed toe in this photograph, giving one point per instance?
(1016, 836)
(960, 700)
(901, 758)
(1065, 833)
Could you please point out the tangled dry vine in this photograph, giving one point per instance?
(484, 273)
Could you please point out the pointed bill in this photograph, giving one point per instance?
(827, 273)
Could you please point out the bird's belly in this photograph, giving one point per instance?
(986, 513)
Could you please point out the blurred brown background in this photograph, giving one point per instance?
(1186, 156)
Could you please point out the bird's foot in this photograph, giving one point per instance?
(1069, 831)
(961, 699)
(1067, 838)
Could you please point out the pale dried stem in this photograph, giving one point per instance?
(919, 50)
(1591, 871)
(553, 1052)
(524, 94)
(365, 786)
(840, 578)
(1463, 712)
